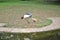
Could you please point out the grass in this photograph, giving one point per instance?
(43, 23)
(12, 11)
(46, 22)
(32, 4)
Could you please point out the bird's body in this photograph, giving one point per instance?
(27, 16)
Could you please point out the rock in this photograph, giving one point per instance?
(4, 24)
(27, 39)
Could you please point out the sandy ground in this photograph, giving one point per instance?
(55, 25)
(12, 14)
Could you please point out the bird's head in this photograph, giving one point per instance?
(22, 17)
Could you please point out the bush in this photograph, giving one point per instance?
(38, 1)
(9, 0)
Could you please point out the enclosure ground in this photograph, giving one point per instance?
(55, 25)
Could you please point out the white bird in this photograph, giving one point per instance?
(28, 16)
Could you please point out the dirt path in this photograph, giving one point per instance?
(55, 25)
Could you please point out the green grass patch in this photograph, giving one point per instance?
(32, 4)
(45, 22)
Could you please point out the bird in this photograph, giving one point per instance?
(28, 16)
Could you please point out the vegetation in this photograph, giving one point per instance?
(46, 22)
(49, 35)
(39, 1)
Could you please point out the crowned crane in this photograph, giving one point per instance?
(27, 16)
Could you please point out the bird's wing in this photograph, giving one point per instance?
(26, 16)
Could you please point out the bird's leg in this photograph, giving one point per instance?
(32, 24)
(27, 21)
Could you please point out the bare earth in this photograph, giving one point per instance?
(55, 25)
